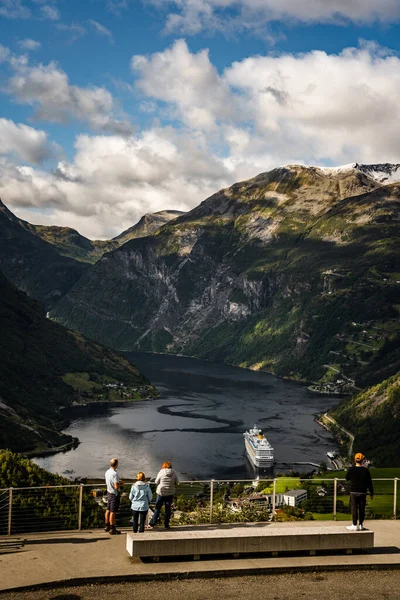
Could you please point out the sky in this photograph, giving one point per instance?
(111, 109)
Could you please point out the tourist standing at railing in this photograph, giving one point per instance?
(140, 496)
(166, 481)
(113, 496)
(361, 482)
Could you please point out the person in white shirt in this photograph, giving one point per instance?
(113, 484)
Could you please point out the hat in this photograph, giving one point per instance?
(359, 457)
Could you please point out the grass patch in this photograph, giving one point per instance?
(81, 382)
(329, 516)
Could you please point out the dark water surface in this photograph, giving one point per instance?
(198, 423)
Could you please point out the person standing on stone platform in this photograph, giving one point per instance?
(113, 484)
(140, 496)
(166, 481)
(360, 482)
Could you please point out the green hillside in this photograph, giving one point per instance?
(45, 367)
(373, 416)
(72, 244)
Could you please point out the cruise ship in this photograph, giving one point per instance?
(258, 449)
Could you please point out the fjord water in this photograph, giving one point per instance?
(198, 423)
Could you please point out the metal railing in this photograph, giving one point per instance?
(82, 506)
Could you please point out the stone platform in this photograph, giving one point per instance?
(244, 541)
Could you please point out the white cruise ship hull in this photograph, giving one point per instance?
(261, 455)
(257, 460)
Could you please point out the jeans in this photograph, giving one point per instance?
(139, 516)
(358, 502)
(167, 500)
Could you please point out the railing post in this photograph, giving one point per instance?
(395, 498)
(211, 499)
(273, 499)
(10, 499)
(334, 498)
(80, 506)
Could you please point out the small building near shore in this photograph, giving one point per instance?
(294, 497)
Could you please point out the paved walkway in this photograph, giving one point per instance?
(357, 585)
(93, 556)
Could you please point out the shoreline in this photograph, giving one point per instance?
(304, 382)
(49, 451)
(94, 407)
(87, 408)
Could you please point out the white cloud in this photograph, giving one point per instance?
(314, 106)
(4, 53)
(327, 107)
(29, 189)
(192, 16)
(49, 13)
(25, 142)
(75, 30)
(29, 44)
(187, 81)
(14, 9)
(113, 181)
(46, 87)
(101, 30)
(116, 6)
(263, 111)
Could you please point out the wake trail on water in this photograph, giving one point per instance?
(166, 410)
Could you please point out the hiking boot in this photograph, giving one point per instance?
(107, 528)
(114, 532)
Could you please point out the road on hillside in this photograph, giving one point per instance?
(357, 585)
(348, 433)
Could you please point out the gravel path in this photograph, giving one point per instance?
(357, 585)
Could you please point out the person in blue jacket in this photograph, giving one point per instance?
(140, 496)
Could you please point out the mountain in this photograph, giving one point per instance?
(374, 417)
(45, 261)
(33, 264)
(147, 225)
(72, 244)
(45, 367)
(294, 271)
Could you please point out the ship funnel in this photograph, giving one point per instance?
(260, 435)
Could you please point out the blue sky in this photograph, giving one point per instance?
(114, 108)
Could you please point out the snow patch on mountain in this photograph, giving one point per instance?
(337, 170)
(382, 172)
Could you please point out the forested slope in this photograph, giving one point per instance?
(45, 367)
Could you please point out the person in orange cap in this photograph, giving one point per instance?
(360, 480)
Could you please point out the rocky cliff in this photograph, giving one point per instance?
(147, 225)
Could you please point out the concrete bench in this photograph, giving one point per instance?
(243, 540)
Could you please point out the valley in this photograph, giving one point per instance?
(294, 272)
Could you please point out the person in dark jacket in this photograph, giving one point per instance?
(360, 483)
(166, 481)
